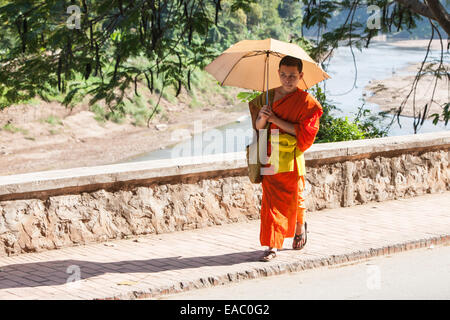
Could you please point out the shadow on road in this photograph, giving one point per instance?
(51, 273)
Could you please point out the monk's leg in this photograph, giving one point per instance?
(301, 209)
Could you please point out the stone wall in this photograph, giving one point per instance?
(360, 181)
(54, 209)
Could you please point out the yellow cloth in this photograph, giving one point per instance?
(283, 160)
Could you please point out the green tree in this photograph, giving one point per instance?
(346, 22)
(254, 14)
(43, 47)
(332, 129)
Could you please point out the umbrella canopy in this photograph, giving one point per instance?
(249, 63)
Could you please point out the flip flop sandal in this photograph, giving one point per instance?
(298, 238)
(269, 255)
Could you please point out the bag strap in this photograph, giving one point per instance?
(271, 97)
(260, 102)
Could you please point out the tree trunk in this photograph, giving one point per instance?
(431, 9)
(442, 17)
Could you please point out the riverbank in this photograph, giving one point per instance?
(422, 44)
(389, 93)
(47, 136)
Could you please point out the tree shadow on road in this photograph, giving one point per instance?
(58, 272)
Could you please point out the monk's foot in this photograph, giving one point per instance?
(268, 255)
(300, 237)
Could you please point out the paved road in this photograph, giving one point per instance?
(155, 265)
(416, 274)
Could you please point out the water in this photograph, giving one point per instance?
(375, 63)
(228, 138)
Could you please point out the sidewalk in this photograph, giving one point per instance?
(151, 266)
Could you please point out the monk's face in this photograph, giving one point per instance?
(289, 77)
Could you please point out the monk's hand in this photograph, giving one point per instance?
(266, 113)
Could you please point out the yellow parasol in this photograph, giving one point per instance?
(248, 63)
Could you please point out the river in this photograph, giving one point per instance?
(379, 61)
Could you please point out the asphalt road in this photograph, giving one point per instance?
(416, 274)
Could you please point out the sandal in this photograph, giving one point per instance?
(269, 255)
(298, 239)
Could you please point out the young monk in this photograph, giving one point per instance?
(295, 113)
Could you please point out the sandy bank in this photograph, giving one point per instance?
(30, 142)
(423, 44)
(390, 93)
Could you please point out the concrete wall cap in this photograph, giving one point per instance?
(56, 179)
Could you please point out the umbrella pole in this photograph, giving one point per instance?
(267, 78)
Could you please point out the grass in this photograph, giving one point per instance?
(194, 103)
(204, 91)
(100, 114)
(230, 99)
(164, 116)
(116, 116)
(169, 94)
(52, 120)
(13, 129)
(138, 110)
(51, 94)
(33, 102)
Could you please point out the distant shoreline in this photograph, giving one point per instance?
(422, 43)
(34, 143)
(389, 93)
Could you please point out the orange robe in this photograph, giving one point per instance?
(282, 201)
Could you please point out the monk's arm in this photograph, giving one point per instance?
(263, 116)
(306, 131)
(267, 115)
(286, 126)
(260, 123)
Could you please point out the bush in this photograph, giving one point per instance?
(332, 129)
(339, 129)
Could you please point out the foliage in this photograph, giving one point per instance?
(120, 45)
(42, 49)
(445, 114)
(247, 96)
(163, 45)
(371, 124)
(333, 129)
(340, 129)
(263, 19)
(346, 23)
(365, 125)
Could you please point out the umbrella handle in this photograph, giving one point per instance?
(267, 82)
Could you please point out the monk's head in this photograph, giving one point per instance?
(290, 72)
